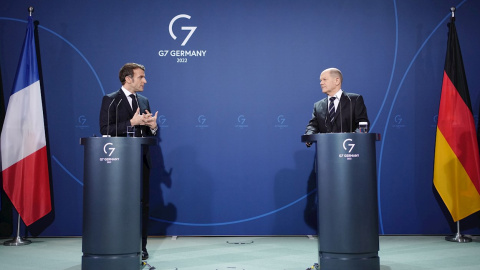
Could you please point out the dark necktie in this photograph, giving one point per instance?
(331, 110)
(134, 103)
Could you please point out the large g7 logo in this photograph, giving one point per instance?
(191, 28)
(351, 145)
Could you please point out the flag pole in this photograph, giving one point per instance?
(459, 238)
(17, 241)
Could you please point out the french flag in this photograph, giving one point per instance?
(23, 143)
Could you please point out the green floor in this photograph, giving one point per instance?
(248, 253)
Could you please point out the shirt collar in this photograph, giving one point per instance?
(126, 92)
(338, 95)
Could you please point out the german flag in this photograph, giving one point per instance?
(456, 173)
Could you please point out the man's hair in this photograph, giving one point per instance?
(127, 70)
(335, 72)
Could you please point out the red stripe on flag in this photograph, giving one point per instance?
(27, 185)
(455, 121)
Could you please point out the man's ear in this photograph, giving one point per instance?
(337, 81)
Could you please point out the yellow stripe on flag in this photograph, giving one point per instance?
(452, 181)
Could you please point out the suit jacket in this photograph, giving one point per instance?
(350, 111)
(115, 115)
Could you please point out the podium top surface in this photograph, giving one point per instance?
(136, 140)
(317, 136)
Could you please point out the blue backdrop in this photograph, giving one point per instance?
(234, 92)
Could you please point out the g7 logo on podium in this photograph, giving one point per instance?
(191, 28)
(110, 149)
(351, 145)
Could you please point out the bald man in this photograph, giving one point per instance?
(339, 111)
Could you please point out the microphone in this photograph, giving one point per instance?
(108, 119)
(327, 127)
(351, 114)
(341, 118)
(116, 118)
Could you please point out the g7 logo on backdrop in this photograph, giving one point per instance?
(162, 119)
(202, 119)
(201, 122)
(81, 122)
(398, 119)
(241, 122)
(82, 119)
(187, 28)
(241, 119)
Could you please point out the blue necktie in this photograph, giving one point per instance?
(331, 110)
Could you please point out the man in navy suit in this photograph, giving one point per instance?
(126, 108)
(117, 108)
(347, 111)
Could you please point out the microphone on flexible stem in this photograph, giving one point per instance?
(116, 118)
(341, 118)
(326, 116)
(108, 119)
(351, 113)
(329, 126)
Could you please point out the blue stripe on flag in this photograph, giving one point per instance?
(27, 71)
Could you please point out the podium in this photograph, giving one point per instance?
(347, 200)
(111, 202)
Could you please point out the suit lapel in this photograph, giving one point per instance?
(346, 107)
(324, 108)
(322, 115)
(343, 103)
(141, 103)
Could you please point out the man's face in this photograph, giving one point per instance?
(137, 81)
(329, 84)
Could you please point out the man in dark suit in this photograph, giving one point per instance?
(339, 111)
(126, 108)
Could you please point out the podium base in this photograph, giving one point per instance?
(335, 261)
(121, 261)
